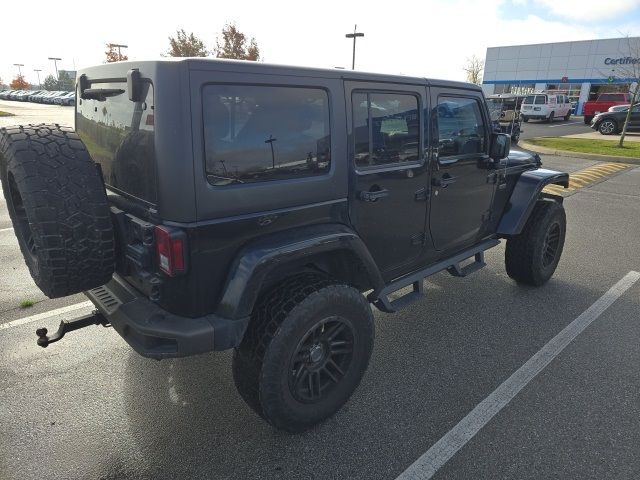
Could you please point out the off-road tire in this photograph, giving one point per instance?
(58, 206)
(525, 258)
(281, 319)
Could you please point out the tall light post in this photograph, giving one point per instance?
(55, 62)
(118, 46)
(37, 70)
(19, 65)
(354, 35)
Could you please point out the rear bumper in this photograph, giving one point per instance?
(156, 333)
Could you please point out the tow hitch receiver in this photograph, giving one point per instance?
(94, 318)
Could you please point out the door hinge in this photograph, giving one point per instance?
(421, 194)
(419, 239)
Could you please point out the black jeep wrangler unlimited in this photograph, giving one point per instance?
(206, 205)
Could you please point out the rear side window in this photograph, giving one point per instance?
(259, 133)
(612, 97)
(461, 128)
(386, 129)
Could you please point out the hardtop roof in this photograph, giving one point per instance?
(243, 66)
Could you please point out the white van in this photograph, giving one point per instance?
(545, 106)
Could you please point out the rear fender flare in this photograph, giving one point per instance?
(527, 191)
(253, 263)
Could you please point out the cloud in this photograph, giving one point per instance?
(587, 10)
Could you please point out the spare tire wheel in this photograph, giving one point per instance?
(58, 206)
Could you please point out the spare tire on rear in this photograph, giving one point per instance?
(58, 206)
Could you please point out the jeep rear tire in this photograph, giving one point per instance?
(58, 206)
(306, 349)
(532, 257)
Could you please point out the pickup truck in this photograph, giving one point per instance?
(602, 104)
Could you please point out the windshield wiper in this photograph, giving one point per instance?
(220, 180)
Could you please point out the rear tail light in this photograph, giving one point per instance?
(171, 246)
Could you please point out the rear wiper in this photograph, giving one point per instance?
(101, 94)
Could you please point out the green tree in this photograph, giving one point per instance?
(474, 68)
(50, 83)
(19, 83)
(65, 82)
(113, 54)
(183, 45)
(235, 44)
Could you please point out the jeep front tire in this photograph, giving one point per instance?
(306, 349)
(532, 257)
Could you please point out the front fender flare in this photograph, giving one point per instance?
(255, 260)
(527, 191)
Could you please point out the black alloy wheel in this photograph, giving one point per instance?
(551, 243)
(607, 127)
(321, 360)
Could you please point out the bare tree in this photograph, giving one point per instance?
(236, 44)
(474, 68)
(186, 45)
(629, 67)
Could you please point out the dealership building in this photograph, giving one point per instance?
(582, 69)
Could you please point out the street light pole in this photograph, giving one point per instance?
(354, 35)
(55, 62)
(37, 70)
(118, 46)
(19, 65)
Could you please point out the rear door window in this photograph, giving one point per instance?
(386, 129)
(256, 133)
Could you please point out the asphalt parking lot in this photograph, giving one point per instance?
(536, 128)
(91, 408)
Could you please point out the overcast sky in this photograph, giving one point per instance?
(429, 38)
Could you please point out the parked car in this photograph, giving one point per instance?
(68, 98)
(603, 103)
(51, 99)
(619, 108)
(546, 106)
(269, 212)
(611, 123)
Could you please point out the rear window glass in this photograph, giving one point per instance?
(259, 133)
(612, 97)
(119, 135)
(536, 99)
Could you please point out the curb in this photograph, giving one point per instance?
(588, 156)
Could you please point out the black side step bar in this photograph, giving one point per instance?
(451, 264)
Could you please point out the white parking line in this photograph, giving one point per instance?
(46, 315)
(564, 124)
(430, 462)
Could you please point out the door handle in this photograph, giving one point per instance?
(444, 182)
(373, 195)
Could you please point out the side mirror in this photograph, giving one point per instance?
(500, 146)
